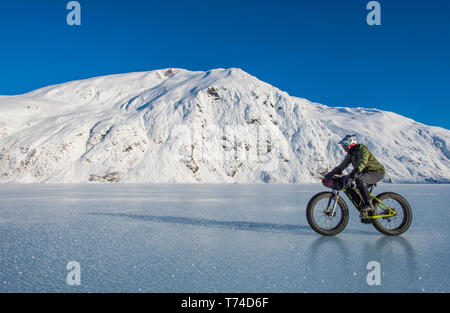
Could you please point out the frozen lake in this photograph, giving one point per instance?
(211, 238)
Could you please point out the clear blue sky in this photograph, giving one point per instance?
(321, 50)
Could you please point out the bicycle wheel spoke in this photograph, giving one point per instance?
(324, 220)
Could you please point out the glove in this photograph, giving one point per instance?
(334, 171)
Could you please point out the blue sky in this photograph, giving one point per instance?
(321, 50)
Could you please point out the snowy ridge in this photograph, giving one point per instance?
(219, 126)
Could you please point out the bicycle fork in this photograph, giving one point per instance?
(331, 206)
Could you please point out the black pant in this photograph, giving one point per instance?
(364, 180)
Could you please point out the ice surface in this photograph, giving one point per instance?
(211, 238)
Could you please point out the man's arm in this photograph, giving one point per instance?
(345, 163)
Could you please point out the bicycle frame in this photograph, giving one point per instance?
(380, 203)
(335, 197)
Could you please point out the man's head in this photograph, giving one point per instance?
(348, 142)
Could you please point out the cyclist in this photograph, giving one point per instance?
(366, 169)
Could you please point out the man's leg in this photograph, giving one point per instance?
(362, 183)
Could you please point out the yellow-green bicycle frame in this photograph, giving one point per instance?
(380, 203)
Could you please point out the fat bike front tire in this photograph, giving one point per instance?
(318, 214)
(397, 224)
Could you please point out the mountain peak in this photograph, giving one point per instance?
(221, 125)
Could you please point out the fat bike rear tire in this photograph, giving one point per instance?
(400, 222)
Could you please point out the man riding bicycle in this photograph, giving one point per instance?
(366, 169)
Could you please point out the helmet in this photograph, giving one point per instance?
(348, 142)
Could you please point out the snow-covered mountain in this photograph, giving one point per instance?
(222, 125)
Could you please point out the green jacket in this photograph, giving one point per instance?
(362, 159)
